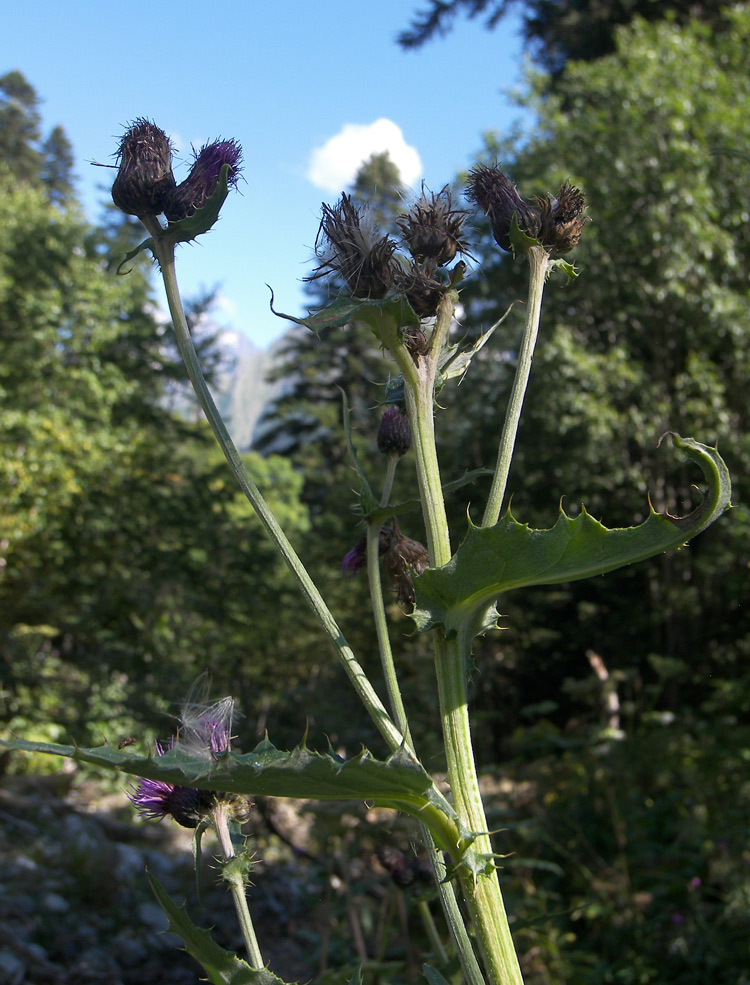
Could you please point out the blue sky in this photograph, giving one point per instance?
(306, 88)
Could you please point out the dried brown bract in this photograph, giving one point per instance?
(349, 243)
(432, 229)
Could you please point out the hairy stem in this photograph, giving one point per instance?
(237, 887)
(538, 266)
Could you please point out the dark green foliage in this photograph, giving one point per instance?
(629, 860)
(560, 31)
(652, 336)
(121, 532)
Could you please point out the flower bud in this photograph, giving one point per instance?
(432, 229)
(498, 198)
(394, 433)
(144, 179)
(203, 179)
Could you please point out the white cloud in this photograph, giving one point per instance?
(334, 166)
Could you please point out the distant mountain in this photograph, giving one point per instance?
(241, 391)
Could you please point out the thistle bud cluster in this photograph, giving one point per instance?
(350, 245)
(555, 222)
(145, 185)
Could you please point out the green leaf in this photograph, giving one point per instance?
(433, 976)
(567, 268)
(386, 318)
(189, 228)
(520, 241)
(460, 596)
(398, 782)
(222, 967)
(147, 244)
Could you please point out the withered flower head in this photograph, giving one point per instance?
(498, 197)
(403, 558)
(422, 290)
(432, 228)
(144, 179)
(394, 433)
(562, 219)
(349, 243)
(203, 179)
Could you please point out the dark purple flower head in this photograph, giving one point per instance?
(555, 221)
(356, 558)
(394, 433)
(193, 193)
(498, 198)
(144, 179)
(404, 558)
(156, 799)
(562, 219)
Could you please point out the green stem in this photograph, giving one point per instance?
(538, 266)
(481, 888)
(237, 887)
(378, 611)
(453, 916)
(393, 736)
(419, 382)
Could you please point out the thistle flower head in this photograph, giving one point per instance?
(156, 799)
(498, 198)
(422, 290)
(203, 179)
(432, 228)
(144, 179)
(349, 243)
(394, 433)
(403, 559)
(556, 222)
(355, 559)
(205, 733)
(562, 219)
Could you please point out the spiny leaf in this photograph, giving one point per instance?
(399, 782)
(222, 967)
(187, 229)
(386, 318)
(202, 219)
(492, 560)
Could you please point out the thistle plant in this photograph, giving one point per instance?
(407, 294)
